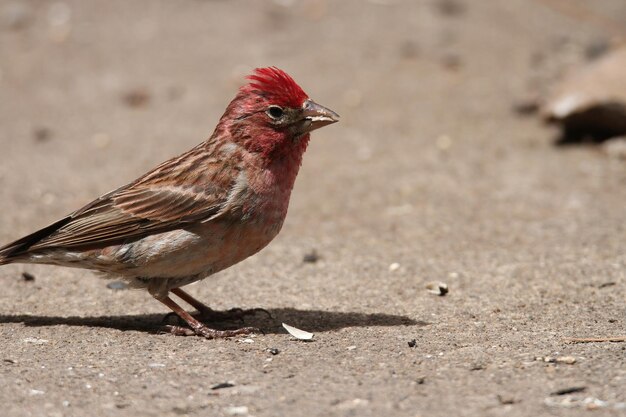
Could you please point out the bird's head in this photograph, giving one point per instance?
(272, 114)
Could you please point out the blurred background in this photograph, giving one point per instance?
(442, 168)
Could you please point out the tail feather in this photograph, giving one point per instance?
(15, 251)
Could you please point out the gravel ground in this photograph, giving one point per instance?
(431, 175)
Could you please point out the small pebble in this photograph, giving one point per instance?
(526, 106)
(28, 277)
(394, 267)
(311, 257)
(570, 360)
(222, 385)
(273, 351)
(505, 399)
(569, 390)
(117, 285)
(412, 343)
(156, 365)
(240, 410)
(437, 288)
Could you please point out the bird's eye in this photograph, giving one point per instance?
(275, 112)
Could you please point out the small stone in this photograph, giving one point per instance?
(240, 410)
(569, 360)
(412, 343)
(569, 390)
(310, 257)
(28, 277)
(526, 106)
(117, 285)
(505, 399)
(477, 366)
(437, 288)
(223, 385)
(351, 347)
(394, 267)
(156, 365)
(273, 351)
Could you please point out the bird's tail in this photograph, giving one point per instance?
(4, 259)
(18, 251)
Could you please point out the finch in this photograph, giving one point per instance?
(198, 213)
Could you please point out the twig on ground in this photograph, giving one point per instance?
(595, 339)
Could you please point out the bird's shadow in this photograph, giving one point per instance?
(310, 320)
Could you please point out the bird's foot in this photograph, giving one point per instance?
(209, 333)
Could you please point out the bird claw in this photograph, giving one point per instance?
(209, 333)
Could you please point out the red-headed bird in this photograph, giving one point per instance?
(197, 213)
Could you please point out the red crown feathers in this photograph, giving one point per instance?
(277, 86)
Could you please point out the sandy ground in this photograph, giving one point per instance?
(430, 176)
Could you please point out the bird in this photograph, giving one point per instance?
(197, 213)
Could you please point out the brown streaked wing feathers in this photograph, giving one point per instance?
(161, 200)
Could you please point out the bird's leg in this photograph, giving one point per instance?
(197, 327)
(208, 314)
(197, 304)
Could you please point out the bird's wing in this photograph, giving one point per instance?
(180, 191)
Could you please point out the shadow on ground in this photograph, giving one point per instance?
(310, 320)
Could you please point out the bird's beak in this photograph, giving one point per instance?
(315, 116)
